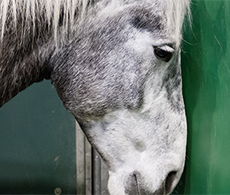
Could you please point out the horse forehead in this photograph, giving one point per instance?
(148, 16)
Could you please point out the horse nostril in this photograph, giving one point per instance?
(135, 184)
(169, 181)
(132, 185)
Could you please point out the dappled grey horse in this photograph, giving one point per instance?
(116, 66)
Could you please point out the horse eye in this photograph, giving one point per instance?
(164, 53)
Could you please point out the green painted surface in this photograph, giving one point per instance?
(37, 144)
(206, 83)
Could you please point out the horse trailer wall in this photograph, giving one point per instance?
(206, 84)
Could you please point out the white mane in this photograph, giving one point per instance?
(51, 10)
(175, 11)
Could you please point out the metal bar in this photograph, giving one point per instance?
(88, 168)
(96, 173)
(80, 161)
(92, 173)
(104, 178)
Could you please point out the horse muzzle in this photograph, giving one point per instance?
(135, 185)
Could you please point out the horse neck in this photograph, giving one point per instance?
(22, 64)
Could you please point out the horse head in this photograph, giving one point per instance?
(120, 77)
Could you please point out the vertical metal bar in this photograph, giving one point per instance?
(100, 175)
(88, 168)
(92, 173)
(104, 178)
(96, 173)
(83, 163)
(80, 161)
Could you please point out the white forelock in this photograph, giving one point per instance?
(50, 10)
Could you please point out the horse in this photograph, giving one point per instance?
(115, 65)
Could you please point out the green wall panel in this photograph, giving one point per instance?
(37, 144)
(206, 84)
